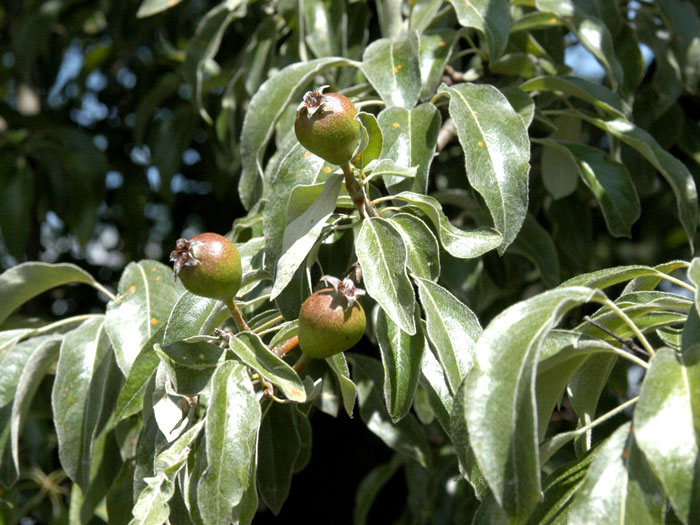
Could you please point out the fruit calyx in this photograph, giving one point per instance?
(345, 288)
(183, 255)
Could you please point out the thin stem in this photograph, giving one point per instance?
(104, 290)
(635, 330)
(261, 299)
(63, 322)
(237, 317)
(270, 330)
(677, 282)
(389, 208)
(382, 199)
(362, 205)
(371, 102)
(302, 363)
(615, 411)
(629, 343)
(268, 324)
(286, 347)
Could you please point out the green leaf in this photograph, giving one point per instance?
(693, 277)
(348, 392)
(496, 151)
(382, 254)
(78, 395)
(586, 90)
(535, 243)
(205, 43)
(326, 23)
(265, 108)
(302, 233)
(152, 7)
(405, 437)
(279, 446)
(373, 147)
(590, 31)
(252, 351)
(458, 243)
(560, 173)
(521, 102)
(490, 17)
(533, 21)
(673, 170)
(130, 400)
(17, 195)
(422, 14)
(602, 279)
(452, 328)
(393, 69)
(666, 422)
(151, 507)
(402, 355)
(433, 380)
(146, 296)
(501, 414)
(422, 249)
(24, 281)
(232, 425)
(683, 22)
(435, 49)
(190, 363)
(619, 486)
(609, 182)
(29, 381)
(410, 136)
(371, 485)
(14, 354)
(191, 315)
(297, 168)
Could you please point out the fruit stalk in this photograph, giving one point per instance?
(286, 347)
(362, 204)
(302, 363)
(241, 325)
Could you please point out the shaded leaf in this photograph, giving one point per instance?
(535, 243)
(405, 437)
(402, 355)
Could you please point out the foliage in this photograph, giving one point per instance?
(533, 356)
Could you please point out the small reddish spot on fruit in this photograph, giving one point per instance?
(357, 159)
(480, 144)
(154, 321)
(626, 453)
(396, 124)
(327, 169)
(307, 154)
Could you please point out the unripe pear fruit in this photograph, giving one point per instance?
(326, 126)
(208, 265)
(331, 320)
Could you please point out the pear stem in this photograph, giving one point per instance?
(302, 363)
(363, 206)
(241, 325)
(286, 347)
